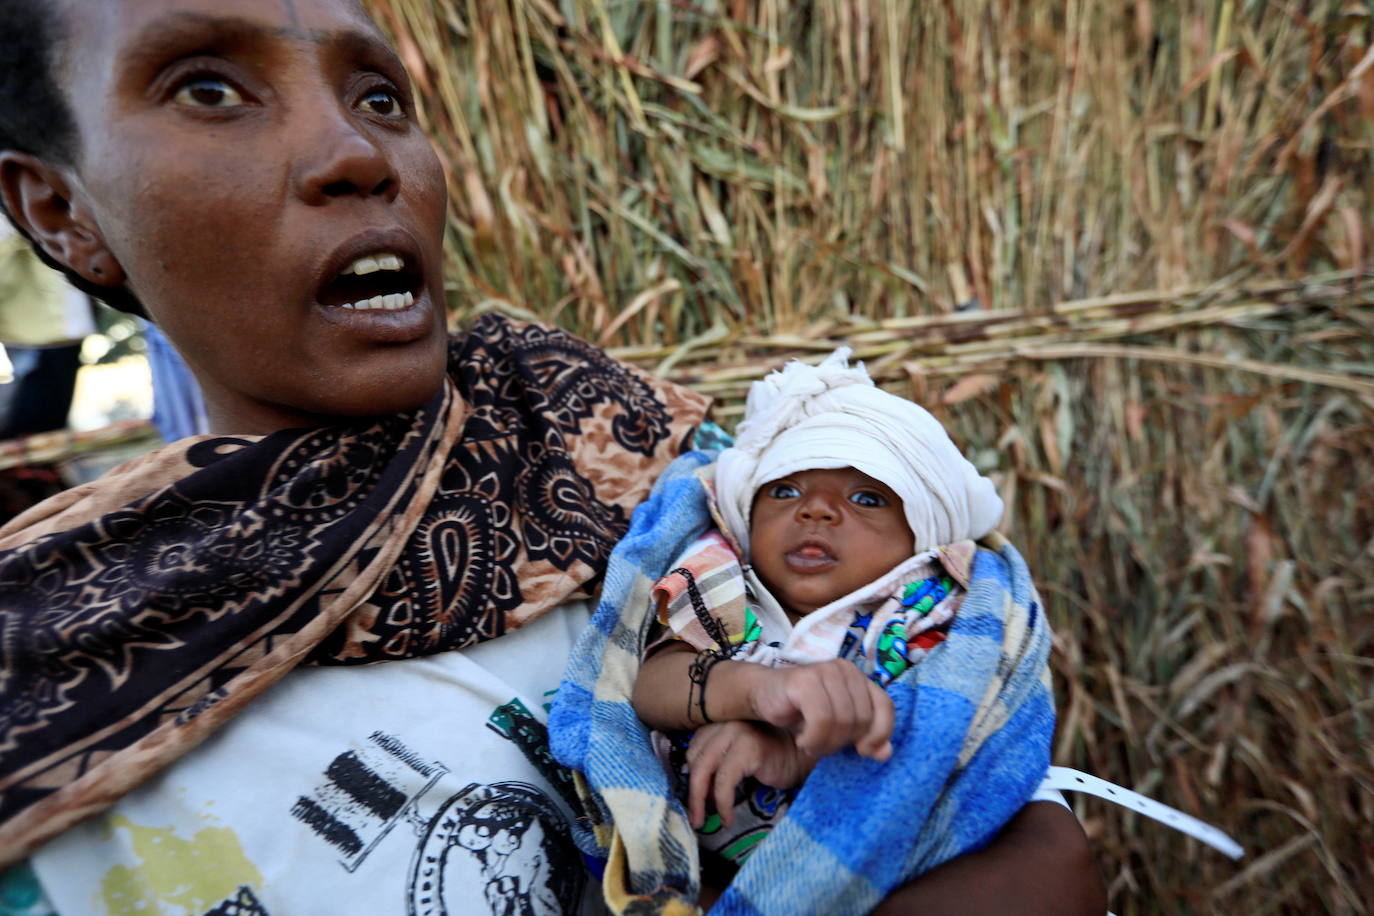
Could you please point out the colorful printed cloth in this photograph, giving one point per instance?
(140, 612)
(973, 726)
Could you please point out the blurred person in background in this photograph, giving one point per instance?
(178, 405)
(43, 321)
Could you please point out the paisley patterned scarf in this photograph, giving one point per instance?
(140, 612)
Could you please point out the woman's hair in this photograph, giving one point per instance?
(35, 117)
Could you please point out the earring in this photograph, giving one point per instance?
(103, 268)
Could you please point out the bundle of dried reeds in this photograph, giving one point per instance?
(968, 193)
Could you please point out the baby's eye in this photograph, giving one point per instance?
(783, 491)
(381, 102)
(208, 92)
(868, 498)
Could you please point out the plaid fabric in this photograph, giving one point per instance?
(971, 743)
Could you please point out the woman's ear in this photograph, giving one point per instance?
(38, 197)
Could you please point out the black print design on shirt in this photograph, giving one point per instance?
(370, 788)
(507, 839)
(244, 903)
(517, 850)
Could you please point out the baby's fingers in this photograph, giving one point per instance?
(876, 741)
(728, 777)
(815, 697)
(709, 748)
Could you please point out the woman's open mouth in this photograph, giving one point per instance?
(375, 287)
(381, 280)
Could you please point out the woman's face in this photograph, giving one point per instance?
(255, 169)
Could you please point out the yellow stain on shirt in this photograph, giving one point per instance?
(175, 873)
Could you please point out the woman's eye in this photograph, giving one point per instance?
(783, 491)
(867, 498)
(209, 92)
(381, 102)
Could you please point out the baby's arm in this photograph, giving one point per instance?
(827, 705)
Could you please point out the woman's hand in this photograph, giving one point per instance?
(723, 754)
(1039, 865)
(828, 706)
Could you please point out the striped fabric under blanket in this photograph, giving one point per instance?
(971, 743)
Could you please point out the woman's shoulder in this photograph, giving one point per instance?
(504, 367)
(130, 481)
(558, 361)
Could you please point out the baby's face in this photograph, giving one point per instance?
(815, 536)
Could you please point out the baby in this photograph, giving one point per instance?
(857, 516)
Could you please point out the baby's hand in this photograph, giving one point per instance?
(724, 753)
(827, 706)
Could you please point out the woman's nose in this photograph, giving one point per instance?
(341, 161)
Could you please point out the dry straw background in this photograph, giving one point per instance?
(1120, 248)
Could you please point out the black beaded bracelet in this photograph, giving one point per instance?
(699, 671)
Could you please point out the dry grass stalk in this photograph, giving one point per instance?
(49, 448)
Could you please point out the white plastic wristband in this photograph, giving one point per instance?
(1069, 780)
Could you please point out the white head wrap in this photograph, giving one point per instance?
(832, 416)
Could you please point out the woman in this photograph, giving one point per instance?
(255, 183)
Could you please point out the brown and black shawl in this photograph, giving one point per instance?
(138, 613)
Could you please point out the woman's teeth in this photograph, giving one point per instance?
(374, 263)
(390, 303)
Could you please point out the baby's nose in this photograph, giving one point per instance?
(816, 510)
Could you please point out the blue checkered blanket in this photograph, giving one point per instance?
(971, 744)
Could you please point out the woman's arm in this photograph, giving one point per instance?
(1039, 865)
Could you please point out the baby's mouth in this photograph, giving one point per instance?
(382, 281)
(810, 556)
